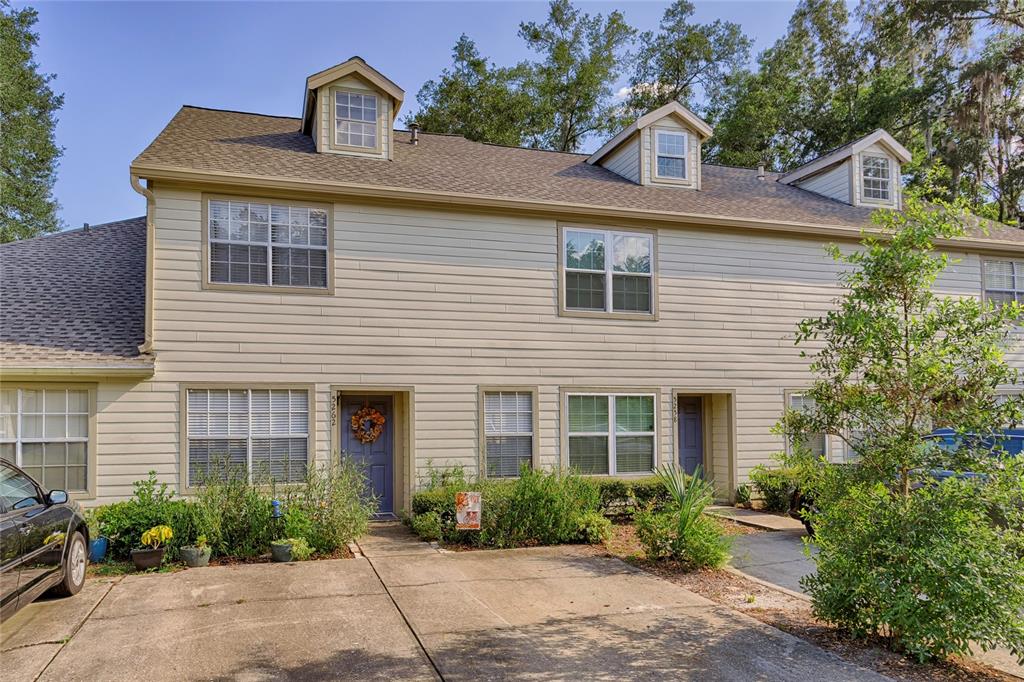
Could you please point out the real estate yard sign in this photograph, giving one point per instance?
(467, 511)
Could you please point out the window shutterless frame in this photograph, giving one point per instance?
(683, 155)
(612, 432)
(207, 282)
(607, 271)
(183, 430)
(482, 421)
(381, 130)
(1002, 280)
(876, 178)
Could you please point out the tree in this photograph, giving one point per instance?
(582, 56)
(478, 100)
(28, 152)
(931, 565)
(683, 60)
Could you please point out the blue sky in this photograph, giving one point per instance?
(126, 68)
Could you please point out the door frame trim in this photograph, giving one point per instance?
(403, 437)
(704, 393)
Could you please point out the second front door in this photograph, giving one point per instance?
(377, 456)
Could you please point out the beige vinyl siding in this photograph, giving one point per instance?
(446, 302)
(721, 420)
(647, 155)
(625, 160)
(834, 182)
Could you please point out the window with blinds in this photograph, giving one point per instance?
(268, 244)
(263, 432)
(611, 434)
(46, 433)
(508, 429)
(608, 271)
(1004, 281)
(817, 443)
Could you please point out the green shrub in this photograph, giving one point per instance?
(538, 508)
(331, 505)
(151, 504)
(427, 525)
(682, 532)
(300, 548)
(776, 486)
(238, 511)
(649, 493)
(594, 528)
(743, 494)
(616, 494)
(930, 572)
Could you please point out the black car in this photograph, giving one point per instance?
(43, 541)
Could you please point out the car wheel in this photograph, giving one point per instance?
(74, 567)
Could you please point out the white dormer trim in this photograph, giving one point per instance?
(673, 108)
(357, 67)
(853, 149)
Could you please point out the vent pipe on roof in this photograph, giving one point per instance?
(760, 172)
(85, 227)
(414, 133)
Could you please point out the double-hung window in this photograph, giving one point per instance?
(1004, 281)
(816, 443)
(508, 431)
(877, 181)
(611, 434)
(268, 244)
(45, 431)
(355, 119)
(264, 432)
(608, 271)
(670, 156)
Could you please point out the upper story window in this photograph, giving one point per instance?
(608, 271)
(268, 244)
(877, 179)
(1004, 281)
(671, 154)
(355, 119)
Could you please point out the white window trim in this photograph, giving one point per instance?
(484, 392)
(249, 437)
(611, 433)
(19, 439)
(1017, 271)
(609, 270)
(889, 186)
(269, 285)
(684, 156)
(375, 123)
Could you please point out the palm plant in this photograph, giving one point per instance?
(691, 495)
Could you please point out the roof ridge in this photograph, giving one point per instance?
(238, 111)
(73, 230)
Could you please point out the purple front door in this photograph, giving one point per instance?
(378, 456)
(691, 433)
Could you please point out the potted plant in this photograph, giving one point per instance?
(197, 555)
(290, 549)
(98, 543)
(151, 554)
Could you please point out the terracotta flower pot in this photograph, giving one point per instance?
(147, 558)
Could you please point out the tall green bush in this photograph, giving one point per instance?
(151, 504)
(332, 504)
(238, 511)
(775, 486)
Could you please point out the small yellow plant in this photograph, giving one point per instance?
(156, 536)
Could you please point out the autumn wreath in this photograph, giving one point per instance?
(367, 424)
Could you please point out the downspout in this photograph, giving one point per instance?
(147, 344)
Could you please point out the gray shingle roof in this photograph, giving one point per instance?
(75, 298)
(232, 142)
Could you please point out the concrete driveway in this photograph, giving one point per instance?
(405, 611)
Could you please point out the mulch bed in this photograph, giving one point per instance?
(793, 615)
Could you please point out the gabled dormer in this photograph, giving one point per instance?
(351, 109)
(865, 172)
(661, 148)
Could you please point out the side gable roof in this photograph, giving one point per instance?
(75, 299)
(673, 108)
(847, 150)
(352, 66)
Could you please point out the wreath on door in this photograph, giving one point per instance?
(367, 424)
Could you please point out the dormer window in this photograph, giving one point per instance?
(671, 153)
(876, 176)
(355, 119)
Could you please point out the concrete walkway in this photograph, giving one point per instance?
(755, 519)
(404, 611)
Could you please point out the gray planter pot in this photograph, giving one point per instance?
(147, 558)
(195, 557)
(281, 551)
